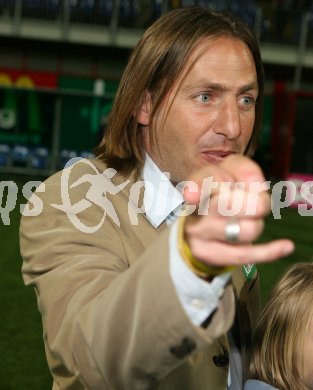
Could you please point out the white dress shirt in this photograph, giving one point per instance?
(198, 298)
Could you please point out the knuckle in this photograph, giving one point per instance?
(241, 255)
(257, 228)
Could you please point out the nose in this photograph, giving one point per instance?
(228, 120)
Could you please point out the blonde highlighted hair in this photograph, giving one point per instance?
(157, 61)
(282, 328)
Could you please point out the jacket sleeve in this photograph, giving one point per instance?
(107, 325)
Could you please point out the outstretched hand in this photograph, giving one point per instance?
(237, 194)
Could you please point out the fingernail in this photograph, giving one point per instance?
(289, 248)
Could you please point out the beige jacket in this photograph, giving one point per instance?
(111, 316)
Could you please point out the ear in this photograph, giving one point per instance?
(143, 115)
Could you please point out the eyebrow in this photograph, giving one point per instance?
(220, 87)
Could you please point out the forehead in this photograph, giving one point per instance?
(218, 59)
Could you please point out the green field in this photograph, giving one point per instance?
(22, 354)
(23, 364)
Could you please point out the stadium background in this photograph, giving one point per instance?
(60, 63)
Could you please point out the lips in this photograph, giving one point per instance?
(216, 156)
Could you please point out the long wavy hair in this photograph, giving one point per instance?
(280, 335)
(157, 61)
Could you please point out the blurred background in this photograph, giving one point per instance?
(60, 65)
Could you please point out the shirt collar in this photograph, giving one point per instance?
(161, 197)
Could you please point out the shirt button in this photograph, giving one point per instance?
(198, 303)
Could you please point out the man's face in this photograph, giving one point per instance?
(210, 112)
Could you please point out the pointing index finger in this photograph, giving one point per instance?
(243, 169)
(215, 172)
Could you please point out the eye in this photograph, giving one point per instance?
(204, 97)
(247, 100)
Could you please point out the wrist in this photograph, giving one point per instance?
(200, 268)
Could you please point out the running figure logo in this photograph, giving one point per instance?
(101, 185)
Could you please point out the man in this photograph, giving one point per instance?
(147, 300)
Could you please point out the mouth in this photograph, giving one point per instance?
(216, 156)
